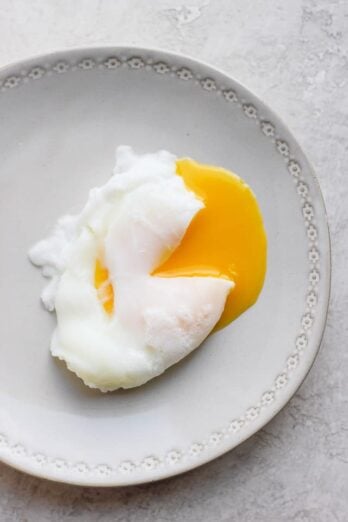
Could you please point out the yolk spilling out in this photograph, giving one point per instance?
(104, 286)
(225, 239)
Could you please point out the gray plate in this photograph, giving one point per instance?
(61, 117)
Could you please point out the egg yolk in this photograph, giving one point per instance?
(226, 239)
(104, 287)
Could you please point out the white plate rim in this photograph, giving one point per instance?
(34, 68)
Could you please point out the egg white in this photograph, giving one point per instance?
(131, 222)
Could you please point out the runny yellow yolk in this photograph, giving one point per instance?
(226, 239)
(104, 287)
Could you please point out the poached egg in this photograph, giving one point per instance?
(161, 254)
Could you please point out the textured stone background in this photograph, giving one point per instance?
(294, 55)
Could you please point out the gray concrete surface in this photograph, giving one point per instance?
(294, 55)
